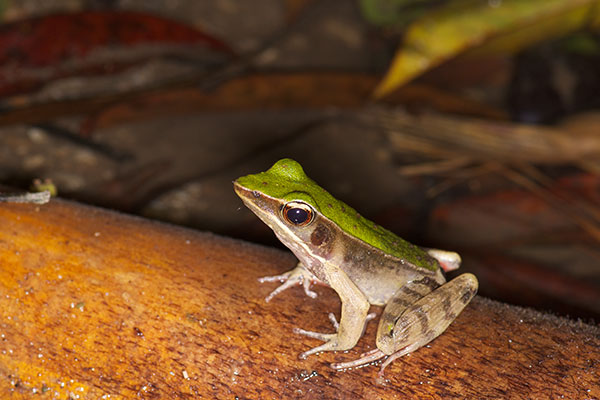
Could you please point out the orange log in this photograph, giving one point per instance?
(95, 303)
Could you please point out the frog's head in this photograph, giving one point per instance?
(306, 218)
(285, 180)
(288, 201)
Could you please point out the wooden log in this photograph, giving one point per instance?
(95, 304)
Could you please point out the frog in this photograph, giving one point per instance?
(364, 263)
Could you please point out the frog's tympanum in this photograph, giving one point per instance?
(363, 262)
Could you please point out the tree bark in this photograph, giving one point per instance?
(96, 303)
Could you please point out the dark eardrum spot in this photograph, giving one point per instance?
(320, 235)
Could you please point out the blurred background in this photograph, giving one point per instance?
(466, 125)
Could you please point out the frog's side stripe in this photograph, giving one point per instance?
(447, 306)
(411, 293)
(422, 315)
(286, 180)
(429, 282)
(401, 302)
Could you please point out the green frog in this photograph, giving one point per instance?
(362, 261)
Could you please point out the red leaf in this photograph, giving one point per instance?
(43, 41)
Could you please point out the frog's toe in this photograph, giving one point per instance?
(274, 278)
(325, 337)
(334, 321)
(297, 276)
(365, 358)
(330, 340)
(330, 344)
(287, 284)
(336, 324)
(306, 285)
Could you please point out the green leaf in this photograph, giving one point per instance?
(488, 26)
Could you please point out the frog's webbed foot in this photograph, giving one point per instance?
(369, 358)
(327, 337)
(296, 276)
(330, 339)
(365, 359)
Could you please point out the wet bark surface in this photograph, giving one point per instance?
(95, 303)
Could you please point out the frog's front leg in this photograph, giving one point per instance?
(355, 307)
(297, 276)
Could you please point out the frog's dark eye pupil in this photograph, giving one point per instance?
(297, 213)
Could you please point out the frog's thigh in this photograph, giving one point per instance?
(406, 296)
(416, 323)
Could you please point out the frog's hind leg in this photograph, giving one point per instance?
(427, 318)
(408, 294)
(422, 317)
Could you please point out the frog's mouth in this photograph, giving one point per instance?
(248, 196)
(264, 207)
(261, 205)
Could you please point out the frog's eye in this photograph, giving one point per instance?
(297, 213)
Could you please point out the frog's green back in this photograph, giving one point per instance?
(286, 180)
